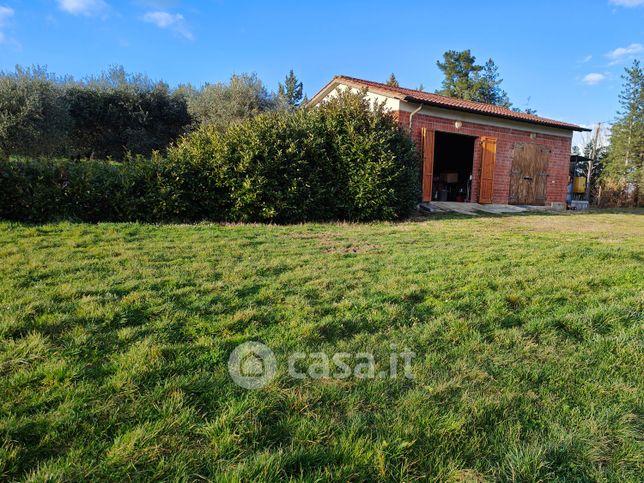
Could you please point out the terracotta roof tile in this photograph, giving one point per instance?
(457, 104)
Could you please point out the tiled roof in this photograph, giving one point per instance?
(456, 104)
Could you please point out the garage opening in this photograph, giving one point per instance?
(453, 163)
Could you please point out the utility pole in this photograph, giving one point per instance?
(592, 160)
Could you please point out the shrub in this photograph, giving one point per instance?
(139, 190)
(341, 161)
(378, 156)
(278, 167)
(190, 181)
(42, 190)
(614, 192)
(345, 160)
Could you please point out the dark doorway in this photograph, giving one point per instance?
(453, 161)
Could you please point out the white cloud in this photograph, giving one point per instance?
(158, 4)
(622, 53)
(627, 3)
(170, 21)
(593, 78)
(83, 7)
(588, 58)
(162, 19)
(5, 14)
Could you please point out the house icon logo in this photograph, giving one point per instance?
(252, 365)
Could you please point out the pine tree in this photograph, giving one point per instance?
(291, 92)
(465, 79)
(490, 86)
(393, 82)
(460, 72)
(624, 166)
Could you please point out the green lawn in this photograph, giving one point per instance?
(115, 338)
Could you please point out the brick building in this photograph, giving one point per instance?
(473, 151)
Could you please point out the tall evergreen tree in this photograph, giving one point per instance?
(465, 79)
(460, 73)
(490, 86)
(291, 92)
(626, 153)
(393, 82)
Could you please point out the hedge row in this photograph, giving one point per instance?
(345, 160)
(48, 190)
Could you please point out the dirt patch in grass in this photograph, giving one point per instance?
(350, 247)
(337, 243)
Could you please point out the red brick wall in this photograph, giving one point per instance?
(558, 165)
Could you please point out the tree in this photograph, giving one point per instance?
(459, 71)
(291, 92)
(596, 153)
(490, 86)
(625, 160)
(116, 113)
(464, 79)
(393, 82)
(221, 104)
(33, 116)
(104, 116)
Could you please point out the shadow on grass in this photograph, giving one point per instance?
(416, 216)
(422, 216)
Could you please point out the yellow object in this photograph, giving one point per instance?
(579, 184)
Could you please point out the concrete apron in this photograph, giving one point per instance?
(472, 208)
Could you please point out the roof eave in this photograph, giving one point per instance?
(322, 93)
(339, 79)
(500, 116)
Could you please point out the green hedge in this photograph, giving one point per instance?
(43, 190)
(345, 160)
(138, 190)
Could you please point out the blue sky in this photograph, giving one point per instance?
(563, 58)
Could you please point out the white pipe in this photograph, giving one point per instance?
(411, 116)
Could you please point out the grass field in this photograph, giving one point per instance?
(115, 338)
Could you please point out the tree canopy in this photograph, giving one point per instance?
(465, 79)
(220, 104)
(291, 92)
(393, 82)
(117, 113)
(32, 113)
(625, 161)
